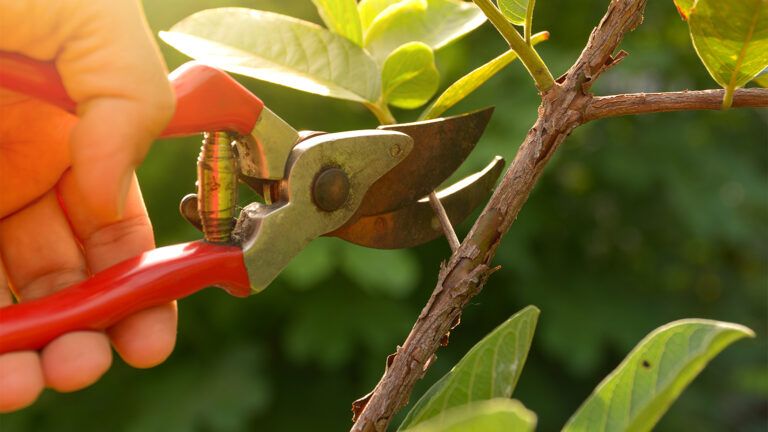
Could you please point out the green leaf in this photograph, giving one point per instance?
(731, 38)
(762, 78)
(493, 415)
(434, 22)
(470, 82)
(409, 77)
(684, 7)
(515, 11)
(278, 49)
(370, 9)
(638, 392)
(489, 370)
(342, 17)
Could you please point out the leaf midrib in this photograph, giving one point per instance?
(747, 41)
(272, 63)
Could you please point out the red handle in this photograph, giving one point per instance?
(153, 278)
(207, 99)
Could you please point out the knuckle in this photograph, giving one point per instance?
(52, 281)
(131, 230)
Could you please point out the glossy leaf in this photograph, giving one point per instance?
(434, 22)
(684, 7)
(493, 415)
(278, 49)
(489, 370)
(341, 17)
(762, 78)
(641, 389)
(731, 38)
(370, 9)
(409, 77)
(470, 82)
(515, 11)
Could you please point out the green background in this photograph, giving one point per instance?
(635, 223)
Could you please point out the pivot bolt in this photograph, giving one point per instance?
(330, 190)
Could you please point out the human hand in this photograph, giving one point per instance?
(69, 202)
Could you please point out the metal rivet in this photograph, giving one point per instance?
(331, 189)
(395, 150)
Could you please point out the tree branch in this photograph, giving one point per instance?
(644, 103)
(565, 106)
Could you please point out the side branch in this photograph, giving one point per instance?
(463, 276)
(645, 103)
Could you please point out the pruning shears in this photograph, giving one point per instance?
(363, 186)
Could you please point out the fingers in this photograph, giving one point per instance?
(147, 338)
(21, 377)
(38, 265)
(21, 380)
(75, 360)
(34, 144)
(112, 68)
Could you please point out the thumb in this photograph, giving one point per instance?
(112, 68)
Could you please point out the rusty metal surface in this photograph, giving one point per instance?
(440, 146)
(416, 224)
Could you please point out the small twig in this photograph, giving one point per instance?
(445, 223)
(645, 103)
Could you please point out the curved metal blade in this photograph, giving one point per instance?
(417, 223)
(439, 147)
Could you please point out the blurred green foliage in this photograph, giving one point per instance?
(636, 222)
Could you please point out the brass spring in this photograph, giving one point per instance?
(217, 187)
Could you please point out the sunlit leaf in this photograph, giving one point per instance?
(762, 78)
(434, 22)
(409, 77)
(489, 370)
(342, 17)
(278, 49)
(731, 38)
(684, 7)
(369, 9)
(493, 415)
(514, 10)
(641, 389)
(470, 82)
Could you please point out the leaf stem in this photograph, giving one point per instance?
(728, 97)
(530, 58)
(382, 112)
(529, 21)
